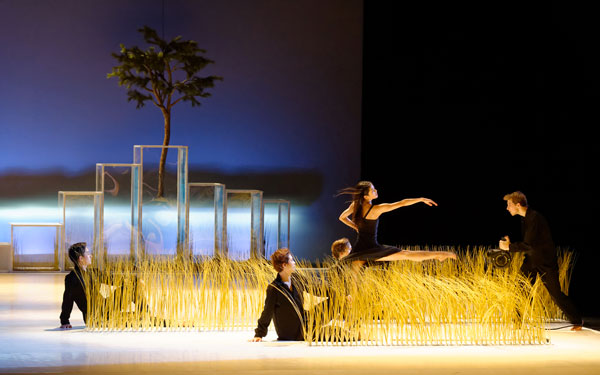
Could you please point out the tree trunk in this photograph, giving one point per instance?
(163, 154)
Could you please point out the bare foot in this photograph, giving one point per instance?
(577, 327)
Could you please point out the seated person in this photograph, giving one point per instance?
(75, 286)
(284, 302)
(340, 248)
(81, 257)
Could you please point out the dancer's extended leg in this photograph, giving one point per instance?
(418, 256)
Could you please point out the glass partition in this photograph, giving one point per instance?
(81, 222)
(276, 213)
(244, 224)
(35, 246)
(119, 216)
(206, 233)
(163, 198)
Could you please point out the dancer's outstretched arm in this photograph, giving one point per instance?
(345, 217)
(419, 256)
(386, 207)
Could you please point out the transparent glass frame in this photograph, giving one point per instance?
(282, 226)
(134, 206)
(256, 248)
(181, 197)
(219, 219)
(43, 266)
(94, 242)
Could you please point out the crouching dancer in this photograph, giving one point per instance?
(284, 302)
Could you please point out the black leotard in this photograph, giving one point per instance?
(366, 246)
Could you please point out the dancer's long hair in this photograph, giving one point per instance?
(358, 193)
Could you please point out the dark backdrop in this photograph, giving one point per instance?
(465, 103)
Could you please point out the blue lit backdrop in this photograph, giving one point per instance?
(286, 118)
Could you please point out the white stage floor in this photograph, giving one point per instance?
(31, 342)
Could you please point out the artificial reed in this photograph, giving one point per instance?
(456, 302)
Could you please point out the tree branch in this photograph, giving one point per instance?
(168, 66)
(155, 90)
(176, 101)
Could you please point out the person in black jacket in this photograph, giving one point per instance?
(75, 286)
(81, 257)
(283, 303)
(540, 253)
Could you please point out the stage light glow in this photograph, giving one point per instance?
(161, 229)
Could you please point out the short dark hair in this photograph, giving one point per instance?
(279, 258)
(77, 250)
(339, 246)
(517, 197)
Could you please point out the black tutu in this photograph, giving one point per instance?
(366, 247)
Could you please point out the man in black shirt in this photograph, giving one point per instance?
(283, 303)
(540, 253)
(81, 257)
(75, 287)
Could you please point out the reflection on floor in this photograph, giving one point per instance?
(30, 342)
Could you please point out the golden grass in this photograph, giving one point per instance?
(462, 302)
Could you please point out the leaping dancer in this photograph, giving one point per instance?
(363, 216)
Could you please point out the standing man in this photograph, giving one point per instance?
(540, 253)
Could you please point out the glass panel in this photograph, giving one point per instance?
(162, 222)
(284, 224)
(35, 246)
(81, 219)
(256, 239)
(118, 183)
(276, 225)
(271, 225)
(206, 220)
(244, 224)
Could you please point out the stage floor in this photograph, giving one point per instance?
(31, 342)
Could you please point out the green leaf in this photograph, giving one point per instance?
(161, 70)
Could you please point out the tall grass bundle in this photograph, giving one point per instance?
(429, 303)
(162, 293)
(461, 302)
